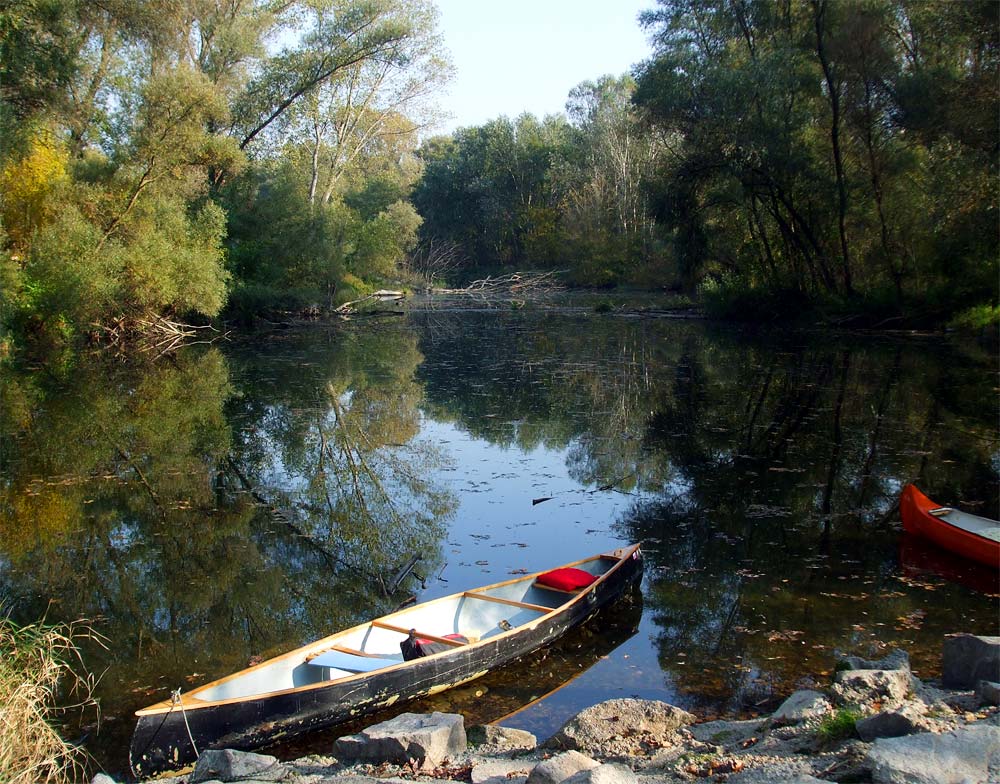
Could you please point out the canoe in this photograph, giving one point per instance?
(962, 533)
(362, 669)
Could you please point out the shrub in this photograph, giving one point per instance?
(38, 664)
(838, 726)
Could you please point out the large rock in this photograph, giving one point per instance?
(988, 693)
(968, 659)
(102, 778)
(490, 739)
(621, 728)
(863, 687)
(958, 757)
(500, 771)
(603, 774)
(429, 739)
(896, 659)
(801, 705)
(228, 765)
(724, 732)
(560, 767)
(905, 720)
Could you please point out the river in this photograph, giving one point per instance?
(759, 468)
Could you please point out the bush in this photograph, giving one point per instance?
(35, 662)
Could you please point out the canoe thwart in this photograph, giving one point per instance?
(941, 511)
(510, 602)
(350, 662)
(423, 635)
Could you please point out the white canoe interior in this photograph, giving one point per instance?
(982, 526)
(477, 615)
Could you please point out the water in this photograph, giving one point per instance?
(238, 500)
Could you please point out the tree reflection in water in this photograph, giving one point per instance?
(201, 521)
(236, 501)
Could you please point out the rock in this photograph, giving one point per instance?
(969, 659)
(228, 765)
(560, 767)
(603, 774)
(891, 724)
(861, 687)
(896, 659)
(988, 693)
(427, 738)
(766, 776)
(725, 732)
(490, 739)
(497, 771)
(102, 778)
(621, 728)
(801, 705)
(958, 757)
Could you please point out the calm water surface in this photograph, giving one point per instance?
(241, 499)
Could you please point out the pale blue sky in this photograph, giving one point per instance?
(512, 56)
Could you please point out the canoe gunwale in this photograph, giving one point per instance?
(189, 701)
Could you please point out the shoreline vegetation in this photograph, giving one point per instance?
(170, 161)
(43, 680)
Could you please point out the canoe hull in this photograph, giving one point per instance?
(914, 508)
(163, 741)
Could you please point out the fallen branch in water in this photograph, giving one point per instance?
(153, 332)
(382, 295)
(516, 283)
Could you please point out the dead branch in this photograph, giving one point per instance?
(515, 284)
(382, 295)
(436, 259)
(153, 333)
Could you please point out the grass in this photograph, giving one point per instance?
(838, 726)
(39, 664)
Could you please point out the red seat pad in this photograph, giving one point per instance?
(566, 579)
(458, 637)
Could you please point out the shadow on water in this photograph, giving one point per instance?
(235, 502)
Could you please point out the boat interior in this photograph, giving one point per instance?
(981, 526)
(475, 615)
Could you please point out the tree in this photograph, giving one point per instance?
(760, 204)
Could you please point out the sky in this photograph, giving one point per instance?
(514, 56)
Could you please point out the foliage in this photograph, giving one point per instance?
(831, 149)
(552, 193)
(28, 184)
(38, 662)
(131, 129)
(838, 726)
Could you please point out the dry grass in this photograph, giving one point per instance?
(40, 663)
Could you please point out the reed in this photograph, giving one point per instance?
(42, 678)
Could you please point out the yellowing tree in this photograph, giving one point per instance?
(27, 185)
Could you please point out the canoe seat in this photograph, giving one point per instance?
(565, 580)
(351, 662)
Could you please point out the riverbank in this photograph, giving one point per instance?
(876, 721)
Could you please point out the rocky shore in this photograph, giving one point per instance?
(875, 722)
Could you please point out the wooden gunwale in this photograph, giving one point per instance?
(190, 700)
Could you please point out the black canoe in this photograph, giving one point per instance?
(361, 670)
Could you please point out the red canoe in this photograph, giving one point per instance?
(971, 537)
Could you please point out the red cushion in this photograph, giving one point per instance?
(458, 637)
(566, 579)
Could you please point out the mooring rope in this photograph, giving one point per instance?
(175, 698)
